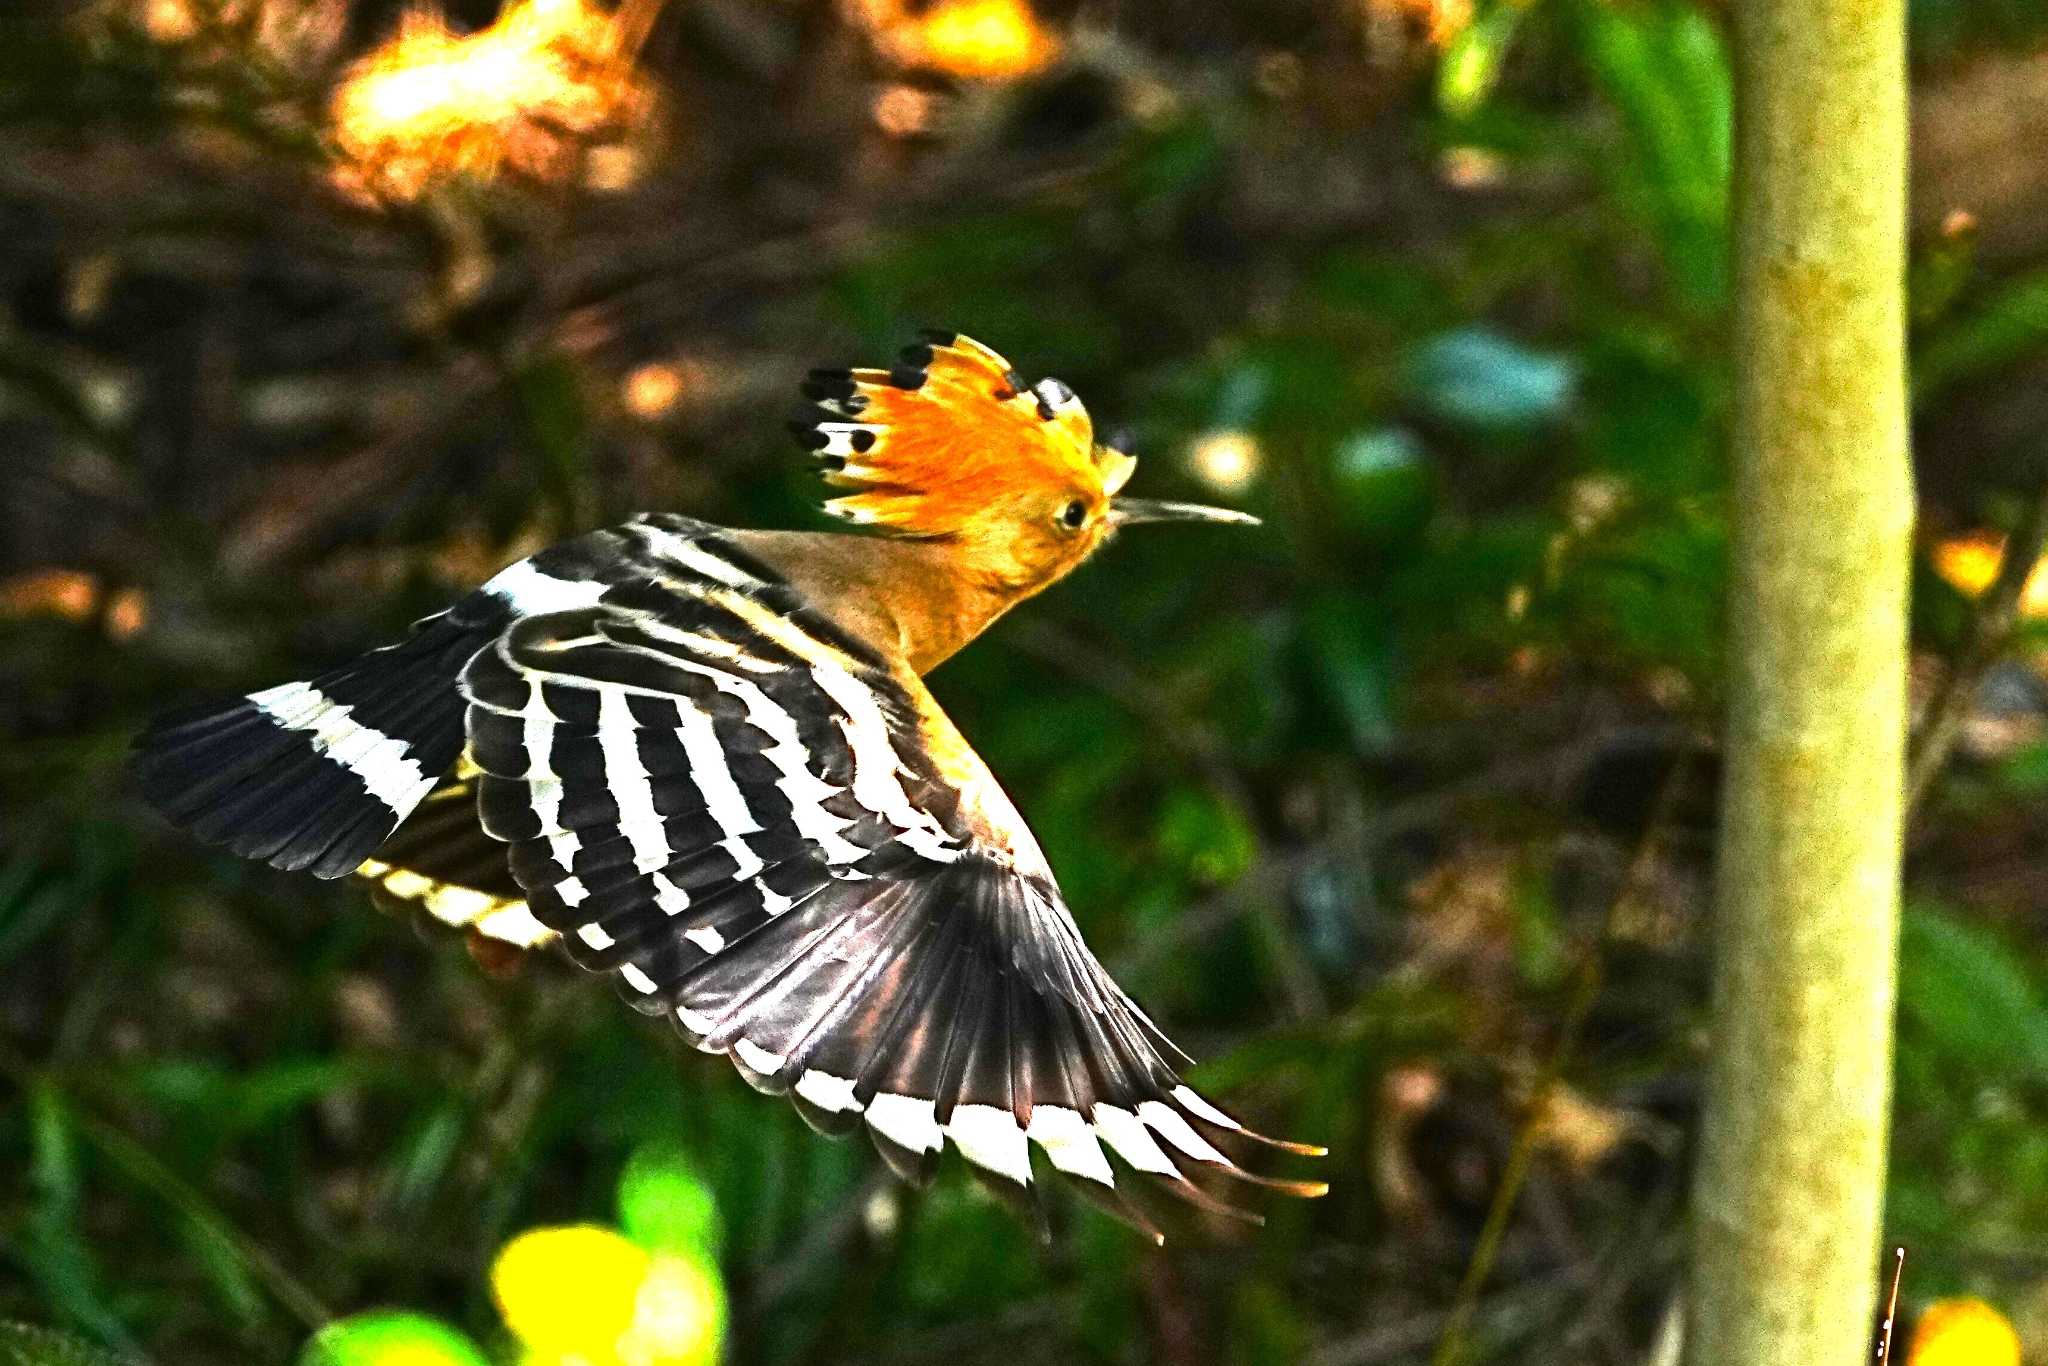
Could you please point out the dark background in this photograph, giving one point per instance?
(1357, 804)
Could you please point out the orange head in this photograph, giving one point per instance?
(953, 444)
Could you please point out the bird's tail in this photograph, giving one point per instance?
(313, 775)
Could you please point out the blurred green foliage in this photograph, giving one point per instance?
(1345, 802)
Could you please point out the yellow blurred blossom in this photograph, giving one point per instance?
(281, 29)
(174, 21)
(1969, 563)
(1963, 1332)
(986, 40)
(904, 111)
(588, 1296)
(532, 95)
(74, 596)
(678, 1316)
(653, 390)
(1227, 459)
(289, 32)
(1438, 21)
(569, 1290)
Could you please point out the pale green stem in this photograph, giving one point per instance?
(1790, 1181)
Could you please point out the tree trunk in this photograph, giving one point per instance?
(1791, 1173)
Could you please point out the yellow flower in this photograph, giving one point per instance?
(1971, 562)
(1963, 1332)
(569, 1292)
(679, 1316)
(989, 39)
(588, 1296)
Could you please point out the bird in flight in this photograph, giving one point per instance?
(705, 763)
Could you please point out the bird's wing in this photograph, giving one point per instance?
(319, 775)
(441, 862)
(714, 795)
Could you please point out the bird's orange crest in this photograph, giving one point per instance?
(924, 448)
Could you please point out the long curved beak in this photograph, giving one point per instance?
(1131, 511)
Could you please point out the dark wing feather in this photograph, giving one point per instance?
(715, 796)
(441, 862)
(315, 775)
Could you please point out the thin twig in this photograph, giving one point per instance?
(1667, 1348)
(1399, 1341)
(1195, 742)
(1585, 990)
(1989, 633)
(1275, 870)
(825, 1241)
(1891, 1308)
(1519, 772)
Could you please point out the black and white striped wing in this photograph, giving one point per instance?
(442, 864)
(317, 775)
(314, 775)
(703, 787)
(714, 796)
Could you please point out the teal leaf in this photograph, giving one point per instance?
(1480, 378)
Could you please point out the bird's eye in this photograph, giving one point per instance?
(1073, 514)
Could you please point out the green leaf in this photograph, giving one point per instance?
(1384, 486)
(1352, 654)
(1646, 589)
(548, 397)
(1471, 63)
(1266, 1325)
(664, 1207)
(1242, 396)
(390, 1337)
(224, 1268)
(1542, 952)
(1665, 68)
(53, 1244)
(1173, 161)
(24, 1345)
(1207, 836)
(1940, 274)
(2008, 323)
(1967, 995)
(1651, 416)
(420, 1163)
(2025, 770)
(31, 906)
(1381, 287)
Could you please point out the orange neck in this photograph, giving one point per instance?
(911, 599)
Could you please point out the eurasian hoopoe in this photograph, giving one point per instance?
(704, 762)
